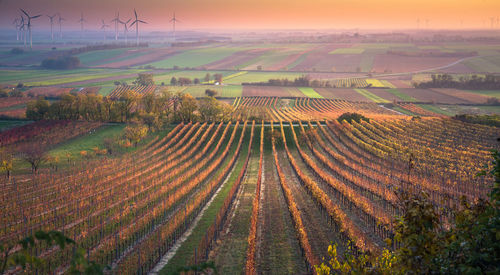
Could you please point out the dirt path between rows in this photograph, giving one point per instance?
(277, 248)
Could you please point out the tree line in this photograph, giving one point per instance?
(154, 109)
(302, 81)
(182, 81)
(474, 82)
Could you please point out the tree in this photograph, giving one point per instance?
(210, 92)
(209, 109)
(145, 79)
(218, 78)
(149, 103)
(352, 116)
(109, 144)
(34, 154)
(207, 77)
(173, 81)
(184, 81)
(37, 109)
(6, 162)
(4, 93)
(187, 107)
(196, 81)
(23, 254)
(152, 120)
(136, 133)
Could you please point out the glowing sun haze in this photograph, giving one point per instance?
(268, 14)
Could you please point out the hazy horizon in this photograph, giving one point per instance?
(247, 15)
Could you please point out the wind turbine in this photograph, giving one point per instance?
(51, 19)
(81, 21)
(116, 20)
(16, 25)
(103, 27)
(22, 28)
(136, 22)
(29, 25)
(60, 25)
(125, 28)
(174, 20)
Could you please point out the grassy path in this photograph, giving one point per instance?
(230, 256)
(185, 252)
(278, 250)
(316, 223)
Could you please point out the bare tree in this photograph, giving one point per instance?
(34, 154)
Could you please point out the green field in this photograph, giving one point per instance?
(166, 77)
(436, 109)
(348, 51)
(78, 78)
(261, 77)
(97, 57)
(401, 95)
(486, 93)
(490, 64)
(195, 58)
(222, 90)
(8, 124)
(86, 142)
(310, 92)
(371, 96)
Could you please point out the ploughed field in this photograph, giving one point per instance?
(266, 197)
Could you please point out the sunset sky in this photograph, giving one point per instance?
(267, 14)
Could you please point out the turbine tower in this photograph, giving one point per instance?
(103, 27)
(51, 19)
(116, 20)
(29, 25)
(125, 28)
(174, 20)
(60, 25)
(137, 22)
(81, 21)
(22, 28)
(16, 23)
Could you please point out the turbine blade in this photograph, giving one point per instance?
(25, 12)
(36, 16)
(142, 21)
(135, 12)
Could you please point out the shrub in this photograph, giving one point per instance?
(61, 63)
(17, 51)
(349, 117)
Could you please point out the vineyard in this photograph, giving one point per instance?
(176, 201)
(279, 109)
(139, 90)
